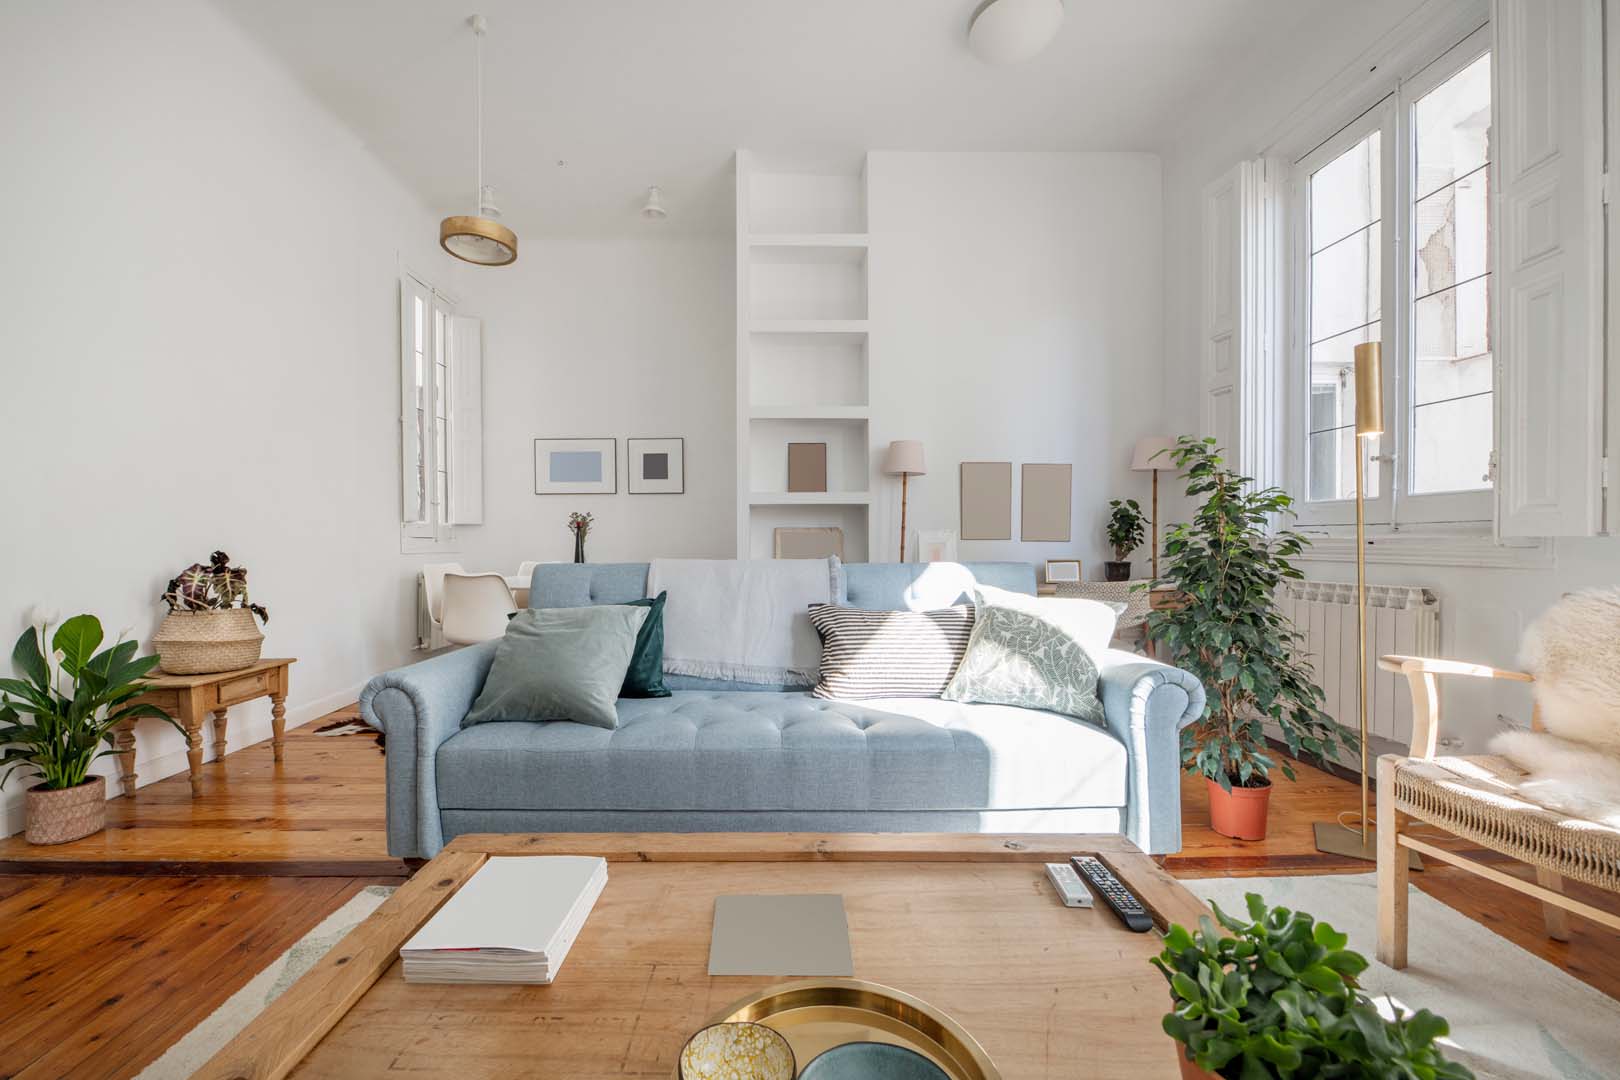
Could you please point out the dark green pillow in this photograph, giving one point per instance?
(645, 677)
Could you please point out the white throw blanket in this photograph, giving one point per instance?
(742, 621)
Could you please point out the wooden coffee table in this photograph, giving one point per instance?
(967, 923)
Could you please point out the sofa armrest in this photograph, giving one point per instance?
(417, 708)
(1145, 705)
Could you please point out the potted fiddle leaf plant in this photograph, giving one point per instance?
(1276, 997)
(1226, 564)
(210, 623)
(55, 717)
(1125, 532)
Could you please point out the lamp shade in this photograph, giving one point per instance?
(1143, 459)
(905, 456)
(1370, 388)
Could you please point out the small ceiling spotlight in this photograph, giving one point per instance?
(1012, 31)
(653, 208)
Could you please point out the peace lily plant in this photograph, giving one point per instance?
(59, 714)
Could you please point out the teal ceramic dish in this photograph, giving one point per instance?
(865, 1060)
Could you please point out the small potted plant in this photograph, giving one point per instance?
(1125, 530)
(1228, 563)
(1276, 996)
(580, 525)
(56, 715)
(210, 623)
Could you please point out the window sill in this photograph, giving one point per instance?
(1431, 546)
(448, 544)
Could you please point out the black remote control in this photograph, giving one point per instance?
(1114, 893)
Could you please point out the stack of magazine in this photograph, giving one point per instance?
(512, 922)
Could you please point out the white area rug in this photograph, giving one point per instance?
(1513, 1015)
(203, 1041)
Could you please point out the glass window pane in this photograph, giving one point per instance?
(1453, 229)
(1451, 342)
(1331, 454)
(1345, 193)
(1451, 445)
(1453, 124)
(1346, 285)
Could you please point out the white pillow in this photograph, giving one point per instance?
(1089, 622)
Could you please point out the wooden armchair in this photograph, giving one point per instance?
(1478, 798)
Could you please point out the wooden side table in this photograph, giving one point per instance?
(188, 698)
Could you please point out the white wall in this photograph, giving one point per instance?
(1017, 315)
(615, 336)
(1484, 611)
(201, 345)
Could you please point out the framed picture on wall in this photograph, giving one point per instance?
(1062, 570)
(936, 545)
(576, 466)
(656, 466)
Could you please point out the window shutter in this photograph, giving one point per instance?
(467, 420)
(1549, 228)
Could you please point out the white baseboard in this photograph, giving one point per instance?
(13, 815)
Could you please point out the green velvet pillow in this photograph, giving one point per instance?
(560, 664)
(646, 675)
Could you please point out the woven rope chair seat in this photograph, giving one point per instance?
(1478, 798)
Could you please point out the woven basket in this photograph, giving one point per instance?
(202, 642)
(55, 817)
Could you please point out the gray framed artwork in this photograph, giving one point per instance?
(807, 466)
(986, 500)
(576, 466)
(1046, 502)
(655, 466)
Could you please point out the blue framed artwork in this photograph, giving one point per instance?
(576, 467)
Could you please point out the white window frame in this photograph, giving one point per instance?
(434, 531)
(1395, 506)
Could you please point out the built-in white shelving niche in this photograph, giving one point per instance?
(803, 351)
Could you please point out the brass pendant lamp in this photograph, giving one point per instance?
(479, 238)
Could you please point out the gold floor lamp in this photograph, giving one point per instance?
(1334, 837)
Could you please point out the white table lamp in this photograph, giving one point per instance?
(905, 460)
(1151, 455)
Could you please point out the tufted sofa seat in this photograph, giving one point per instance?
(729, 757)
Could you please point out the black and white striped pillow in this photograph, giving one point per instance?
(881, 654)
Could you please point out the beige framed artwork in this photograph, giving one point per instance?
(808, 542)
(986, 500)
(1046, 502)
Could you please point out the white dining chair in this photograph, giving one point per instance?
(476, 607)
(433, 587)
(526, 569)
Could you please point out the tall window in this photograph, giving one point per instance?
(1393, 245)
(425, 411)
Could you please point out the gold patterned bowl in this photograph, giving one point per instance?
(737, 1051)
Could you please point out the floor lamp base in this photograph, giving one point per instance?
(1333, 838)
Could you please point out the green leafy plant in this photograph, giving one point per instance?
(580, 524)
(73, 698)
(1125, 527)
(1227, 564)
(1277, 997)
(211, 587)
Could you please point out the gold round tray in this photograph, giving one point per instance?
(818, 1014)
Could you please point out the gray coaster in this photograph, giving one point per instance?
(780, 935)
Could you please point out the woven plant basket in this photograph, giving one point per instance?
(202, 642)
(55, 817)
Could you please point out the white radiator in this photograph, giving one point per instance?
(1400, 619)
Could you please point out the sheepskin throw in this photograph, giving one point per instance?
(1574, 652)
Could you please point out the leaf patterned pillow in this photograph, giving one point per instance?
(1015, 657)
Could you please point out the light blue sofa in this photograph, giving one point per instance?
(730, 757)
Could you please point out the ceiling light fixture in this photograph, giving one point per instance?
(1012, 31)
(653, 208)
(479, 238)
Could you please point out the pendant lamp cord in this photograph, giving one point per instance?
(478, 37)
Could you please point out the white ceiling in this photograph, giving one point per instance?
(590, 101)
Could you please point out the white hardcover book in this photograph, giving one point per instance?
(516, 917)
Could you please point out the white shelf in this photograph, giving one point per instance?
(809, 247)
(809, 412)
(809, 498)
(840, 240)
(808, 326)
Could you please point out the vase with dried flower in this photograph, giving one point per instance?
(580, 525)
(210, 623)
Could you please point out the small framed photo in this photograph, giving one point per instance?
(576, 466)
(656, 466)
(936, 545)
(1062, 570)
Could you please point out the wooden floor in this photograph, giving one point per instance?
(114, 946)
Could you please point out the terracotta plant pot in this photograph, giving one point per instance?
(55, 817)
(1239, 813)
(1117, 571)
(202, 642)
(1189, 1070)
